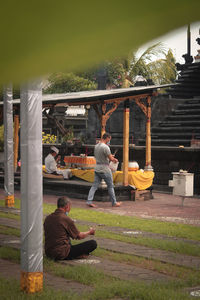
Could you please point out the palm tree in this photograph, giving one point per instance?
(160, 71)
(163, 70)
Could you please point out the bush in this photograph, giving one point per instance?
(69, 82)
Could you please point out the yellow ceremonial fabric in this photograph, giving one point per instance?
(10, 201)
(87, 175)
(141, 180)
(31, 282)
(89, 160)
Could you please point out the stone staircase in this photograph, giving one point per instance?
(182, 124)
(179, 127)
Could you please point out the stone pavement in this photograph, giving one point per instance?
(122, 270)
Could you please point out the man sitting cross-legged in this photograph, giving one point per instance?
(59, 229)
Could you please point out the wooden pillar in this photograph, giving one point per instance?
(105, 115)
(103, 119)
(16, 140)
(148, 166)
(126, 142)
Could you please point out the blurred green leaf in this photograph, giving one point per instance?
(41, 37)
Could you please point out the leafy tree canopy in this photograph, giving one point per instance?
(68, 82)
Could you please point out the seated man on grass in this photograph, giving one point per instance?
(59, 229)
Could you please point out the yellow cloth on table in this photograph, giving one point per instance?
(141, 180)
(87, 175)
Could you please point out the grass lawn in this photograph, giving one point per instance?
(106, 286)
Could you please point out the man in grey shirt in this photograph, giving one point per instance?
(102, 170)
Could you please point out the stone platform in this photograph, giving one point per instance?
(77, 188)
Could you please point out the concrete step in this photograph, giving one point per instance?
(175, 135)
(185, 129)
(179, 123)
(189, 105)
(194, 111)
(178, 118)
(167, 142)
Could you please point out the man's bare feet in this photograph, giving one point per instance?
(92, 205)
(117, 204)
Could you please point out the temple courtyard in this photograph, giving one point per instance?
(146, 250)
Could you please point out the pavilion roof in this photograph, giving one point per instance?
(97, 96)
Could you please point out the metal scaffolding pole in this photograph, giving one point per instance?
(8, 146)
(31, 188)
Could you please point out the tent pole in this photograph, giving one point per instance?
(31, 187)
(16, 140)
(8, 146)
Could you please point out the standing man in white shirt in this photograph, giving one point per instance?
(102, 170)
(51, 164)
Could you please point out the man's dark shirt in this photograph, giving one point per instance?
(58, 229)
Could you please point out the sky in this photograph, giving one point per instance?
(177, 41)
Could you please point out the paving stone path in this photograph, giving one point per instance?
(142, 251)
(122, 247)
(120, 270)
(135, 232)
(120, 230)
